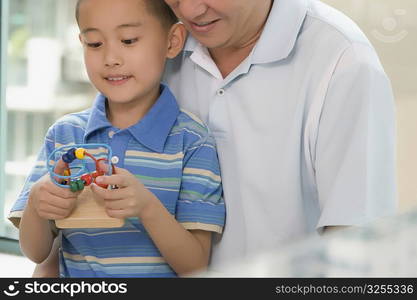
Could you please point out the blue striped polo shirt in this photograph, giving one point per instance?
(171, 152)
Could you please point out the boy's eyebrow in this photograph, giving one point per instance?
(84, 31)
(137, 24)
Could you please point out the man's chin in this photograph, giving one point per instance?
(214, 42)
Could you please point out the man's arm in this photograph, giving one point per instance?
(355, 148)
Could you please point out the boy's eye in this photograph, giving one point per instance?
(94, 45)
(129, 41)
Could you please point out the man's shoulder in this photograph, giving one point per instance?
(327, 20)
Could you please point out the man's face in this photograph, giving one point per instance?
(219, 23)
(125, 48)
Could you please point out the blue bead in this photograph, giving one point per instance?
(71, 153)
(67, 159)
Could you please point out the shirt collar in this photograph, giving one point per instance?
(281, 31)
(152, 130)
(98, 119)
(279, 35)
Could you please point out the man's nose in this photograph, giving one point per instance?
(190, 9)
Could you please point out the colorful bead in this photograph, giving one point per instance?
(80, 153)
(67, 172)
(66, 158)
(69, 157)
(77, 185)
(87, 178)
(73, 186)
(80, 184)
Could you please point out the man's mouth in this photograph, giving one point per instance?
(203, 26)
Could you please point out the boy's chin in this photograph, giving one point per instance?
(119, 101)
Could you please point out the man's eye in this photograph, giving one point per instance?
(129, 41)
(94, 45)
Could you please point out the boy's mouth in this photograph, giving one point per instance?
(117, 79)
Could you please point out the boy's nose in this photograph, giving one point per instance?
(112, 62)
(112, 59)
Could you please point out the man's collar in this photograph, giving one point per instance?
(152, 130)
(279, 35)
(281, 31)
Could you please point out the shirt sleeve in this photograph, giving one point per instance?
(200, 204)
(38, 170)
(355, 149)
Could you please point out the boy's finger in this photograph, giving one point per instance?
(61, 192)
(104, 166)
(54, 210)
(58, 201)
(116, 213)
(120, 171)
(116, 204)
(105, 193)
(118, 179)
(60, 167)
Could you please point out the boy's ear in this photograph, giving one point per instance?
(80, 38)
(177, 37)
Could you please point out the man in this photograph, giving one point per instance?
(303, 116)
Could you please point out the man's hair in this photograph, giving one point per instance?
(156, 7)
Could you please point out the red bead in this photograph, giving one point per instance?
(88, 179)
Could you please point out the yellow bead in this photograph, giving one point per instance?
(67, 173)
(80, 153)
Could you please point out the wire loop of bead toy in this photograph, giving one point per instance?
(83, 177)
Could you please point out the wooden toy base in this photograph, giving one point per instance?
(89, 212)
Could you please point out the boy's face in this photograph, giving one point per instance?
(125, 48)
(220, 23)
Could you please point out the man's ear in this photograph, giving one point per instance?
(177, 37)
(80, 38)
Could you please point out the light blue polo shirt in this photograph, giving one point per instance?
(304, 127)
(172, 153)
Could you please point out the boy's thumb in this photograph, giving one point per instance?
(103, 166)
(117, 170)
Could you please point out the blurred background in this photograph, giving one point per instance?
(43, 78)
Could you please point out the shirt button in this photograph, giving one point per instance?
(114, 160)
(111, 133)
(220, 92)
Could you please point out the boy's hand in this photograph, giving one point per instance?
(128, 200)
(51, 201)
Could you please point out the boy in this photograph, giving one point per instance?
(166, 165)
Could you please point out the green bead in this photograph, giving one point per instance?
(80, 184)
(73, 186)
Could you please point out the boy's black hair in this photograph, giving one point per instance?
(157, 7)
